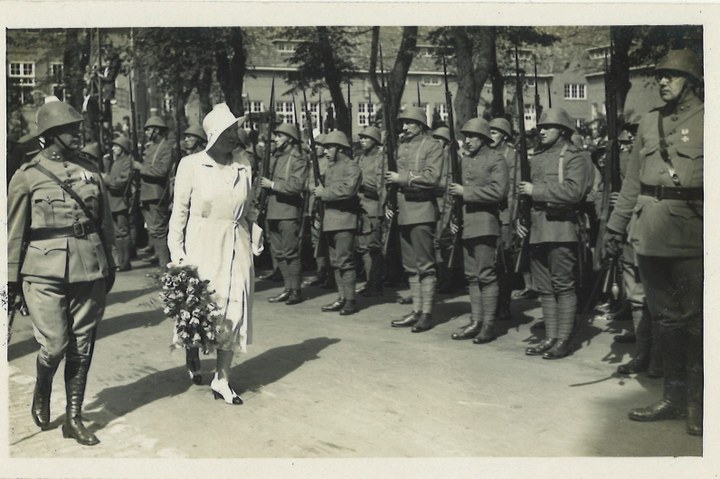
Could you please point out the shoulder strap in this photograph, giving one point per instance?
(561, 163)
(69, 191)
(664, 152)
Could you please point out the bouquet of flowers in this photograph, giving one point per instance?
(188, 301)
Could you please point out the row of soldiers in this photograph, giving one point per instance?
(656, 224)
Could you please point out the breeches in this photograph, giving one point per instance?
(634, 290)
(416, 246)
(65, 317)
(157, 217)
(674, 291)
(121, 222)
(284, 239)
(479, 259)
(340, 248)
(552, 266)
(372, 239)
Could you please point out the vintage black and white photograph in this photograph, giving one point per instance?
(339, 240)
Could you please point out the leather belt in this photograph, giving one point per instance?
(77, 230)
(662, 192)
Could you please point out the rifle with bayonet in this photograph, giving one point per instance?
(318, 209)
(457, 205)
(263, 195)
(304, 194)
(350, 119)
(538, 106)
(392, 190)
(524, 202)
(132, 190)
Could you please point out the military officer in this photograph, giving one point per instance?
(420, 164)
(59, 214)
(155, 171)
(341, 210)
(562, 176)
(501, 133)
(661, 205)
(484, 187)
(117, 182)
(372, 196)
(288, 175)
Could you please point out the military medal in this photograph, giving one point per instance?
(685, 138)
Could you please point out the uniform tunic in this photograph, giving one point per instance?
(342, 182)
(667, 234)
(508, 206)
(485, 185)
(117, 181)
(210, 228)
(63, 278)
(372, 196)
(154, 176)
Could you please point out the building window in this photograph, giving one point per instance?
(430, 81)
(285, 112)
(523, 54)
(21, 73)
(366, 112)
(426, 52)
(530, 82)
(285, 47)
(253, 107)
(168, 103)
(599, 53)
(314, 117)
(443, 112)
(575, 91)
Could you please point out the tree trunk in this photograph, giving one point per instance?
(498, 86)
(622, 38)
(204, 87)
(475, 60)
(398, 75)
(231, 71)
(333, 79)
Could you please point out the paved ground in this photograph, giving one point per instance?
(318, 385)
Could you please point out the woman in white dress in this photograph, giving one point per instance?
(211, 227)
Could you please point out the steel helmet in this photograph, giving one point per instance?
(92, 150)
(478, 126)
(54, 114)
(501, 124)
(288, 129)
(414, 113)
(320, 139)
(682, 61)
(556, 117)
(442, 132)
(123, 142)
(196, 131)
(372, 132)
(155, 121)
(337, 138)
(624, 137)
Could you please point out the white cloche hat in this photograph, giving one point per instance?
(217, 121)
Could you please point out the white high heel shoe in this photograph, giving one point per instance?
(221, 389)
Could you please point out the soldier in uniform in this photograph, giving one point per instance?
(661, 200)
(322, 276)
(501, 133)
(372, 194)
(419, 163)
(484, 187)
(58, 212)
(194, 139)
(288, 175)
(444, 237)
(562, 176)
(342, 207)
(155, 171)
(117, 182)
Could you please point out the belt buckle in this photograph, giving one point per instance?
(658, 193)
(79, 230)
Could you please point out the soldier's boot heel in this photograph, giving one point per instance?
(661, 410)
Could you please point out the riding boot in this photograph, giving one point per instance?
(695, 384)
(673, 404)
(76, 371)
(473, 329)
(489, 297)
(655, 369)
(40, 409)
(641, 359)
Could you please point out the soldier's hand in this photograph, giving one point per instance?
(454, 227)
(612, 244)
(392, 176)
(614, 197)
(318, 190)
(520, 229)
(110, 280)
(389, 213)
(265, 183)
(136, 165)
(525, 188)
(456, 189)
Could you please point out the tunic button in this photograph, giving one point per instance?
(69, 174)
(674, 118)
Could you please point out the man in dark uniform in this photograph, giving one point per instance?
(562, 176)
(342, 207)
(501, 133)
(484, 186)
(420, 163)
(117, 181)
(155, 171)
(661, 199)
(67, 268)
(372, 196)
(322, 276)
(288, 175)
